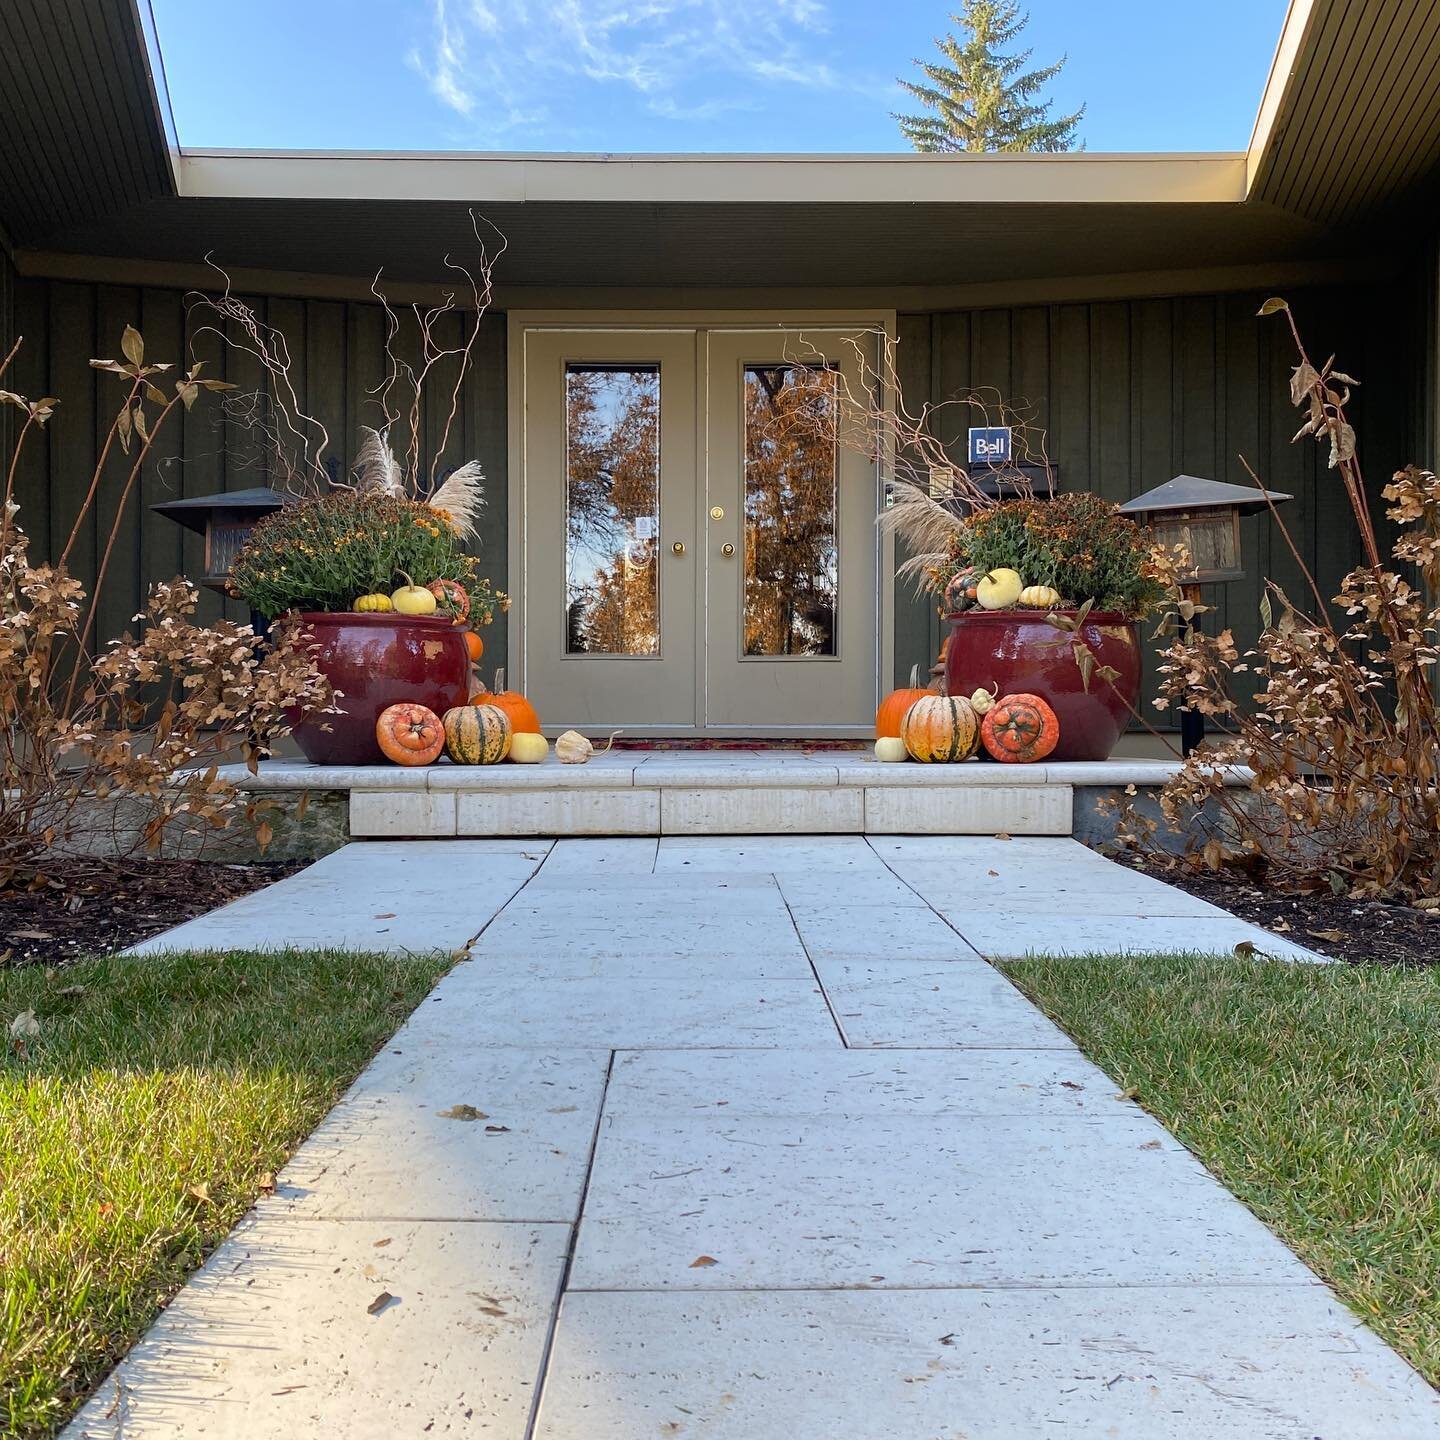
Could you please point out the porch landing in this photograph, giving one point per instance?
(756, 792)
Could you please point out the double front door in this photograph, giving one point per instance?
(698, 549)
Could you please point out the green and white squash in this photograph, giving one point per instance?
(477, 734)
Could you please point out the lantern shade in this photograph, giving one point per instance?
(225, 520)
(1203, 516)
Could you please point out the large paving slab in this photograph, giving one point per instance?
(664, 1084)
(435, 1130)
(596, 860)
(777, 854)
(651, 924)
(1233, 1363)
(381, 895)
(796, 1202)
(274, 1337)
(1000, 934)
(717, 1006)
(874, 932)
(932, 1004)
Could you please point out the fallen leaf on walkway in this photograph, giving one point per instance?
(24, 1024)
(492, 1310)
(381, 1244)
(267, 1183)
(1333, 936)
(462, 1112)
(993, 872)
(1151, 1145)
(380, 1302)
(563, 1109)
(1131, 1094)
(497, 1129)
(703, 1262)
(948, 1339)
(386, 915)
(1001, 835)
(1072, 1085)
(1245, 949)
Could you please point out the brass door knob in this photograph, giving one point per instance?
(678, 547)
(727, 550)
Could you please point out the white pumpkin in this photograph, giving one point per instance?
(528, 749)
(998, 589)
(889, 749)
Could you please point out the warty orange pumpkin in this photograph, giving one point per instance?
(410, 734)
(895, 704)
(451, 597)
(1020, 729)
(941, 728)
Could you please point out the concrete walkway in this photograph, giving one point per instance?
(752, 1144)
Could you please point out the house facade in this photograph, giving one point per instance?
(690, 300)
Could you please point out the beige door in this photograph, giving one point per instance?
(698, 555)
(608, 510)
(792, 601)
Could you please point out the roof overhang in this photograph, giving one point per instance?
(1301, 195)
(1081, 178)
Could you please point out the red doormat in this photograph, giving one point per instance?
(718, 743)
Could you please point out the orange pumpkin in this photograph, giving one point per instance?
(410, 734)
(1020, 729)
(475, 646)
(451, 598)
(895, 704)
(523, 719)
(941, 728)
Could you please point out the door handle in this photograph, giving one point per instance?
(727, 551)
(678, 547)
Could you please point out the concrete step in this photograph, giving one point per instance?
(712, 793)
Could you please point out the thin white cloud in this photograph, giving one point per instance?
(446, 70)
(504, 65)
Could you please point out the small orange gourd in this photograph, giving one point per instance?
(895, 704)
(1020, 729)
(523, 719)
(410, 734)
(474, 646)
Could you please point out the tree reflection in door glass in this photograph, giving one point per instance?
(612, 509)
(791, 548)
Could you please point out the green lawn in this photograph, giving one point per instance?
(1313, 1092)
(138, 1124)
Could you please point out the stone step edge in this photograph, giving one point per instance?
(288, 776)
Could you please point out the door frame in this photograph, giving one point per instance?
(521, 323)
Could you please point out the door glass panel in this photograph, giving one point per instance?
(612, 509)
(791, 524)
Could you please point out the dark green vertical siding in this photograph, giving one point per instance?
(337, 351)
(1130, 393)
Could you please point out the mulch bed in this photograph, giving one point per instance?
(104, 908)
(1361, 932)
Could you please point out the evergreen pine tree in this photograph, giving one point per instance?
(984, 100)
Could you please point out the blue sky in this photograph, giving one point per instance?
(698, 75)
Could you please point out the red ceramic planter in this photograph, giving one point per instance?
(376, 661)
(1012, 652)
